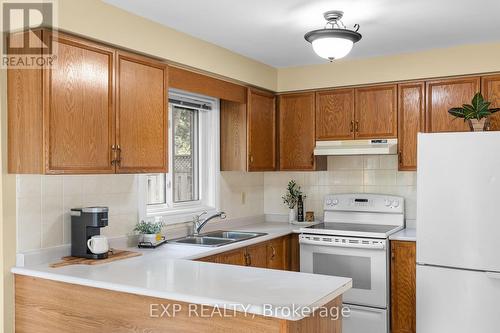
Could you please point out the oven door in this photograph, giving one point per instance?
(362, 259)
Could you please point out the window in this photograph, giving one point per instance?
(191, 184)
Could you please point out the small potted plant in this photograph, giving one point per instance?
(293, 191)
(150, 231)
(477, 113)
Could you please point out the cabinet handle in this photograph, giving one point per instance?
(251, 159)
(356, 128)
(400, 157)
(113, 152)
(273, 252)
(352, 126)
(248, 259)
(312, 159)
(119, 154)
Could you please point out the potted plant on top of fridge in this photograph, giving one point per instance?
(293, 191)
(150, 231)
(477, 113)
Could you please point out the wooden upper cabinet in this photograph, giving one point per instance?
(79, 114)
(443, 95)
(141, 114)
(376, 112)
(297, 131)
(411, 121)
(335, 114)
(61, 120)
(403, 287)
(490, 88)
(233, 136)
(261, 131)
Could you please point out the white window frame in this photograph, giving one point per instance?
(208, 164)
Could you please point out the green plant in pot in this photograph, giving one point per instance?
(149, 230)
(293, 191)
(476, 114)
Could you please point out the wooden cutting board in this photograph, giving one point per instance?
(113, 255)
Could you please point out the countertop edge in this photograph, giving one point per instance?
(253, 309)
(406, 235)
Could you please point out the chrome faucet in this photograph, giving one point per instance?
(199, 225)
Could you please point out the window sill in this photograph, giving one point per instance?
(179, 215)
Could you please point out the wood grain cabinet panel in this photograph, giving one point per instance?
(403, 287)
(79, 114)
(335, 114)
(233, 136)
(411, 121)
(261, 129)
(297, 131)
(442, 95)
(257, 255)
(141, 116)
(490, 88)
(376, 112)
(277, 253)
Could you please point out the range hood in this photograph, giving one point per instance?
(357, 147)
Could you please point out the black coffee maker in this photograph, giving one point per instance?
(85, 223)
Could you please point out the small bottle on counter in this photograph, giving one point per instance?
(300, 209)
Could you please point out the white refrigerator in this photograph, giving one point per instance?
(458, 233)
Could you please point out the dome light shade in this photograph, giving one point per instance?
(332, 47)
(335, 41)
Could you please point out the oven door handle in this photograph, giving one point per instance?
(371, 246)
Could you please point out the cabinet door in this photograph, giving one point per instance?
(376, 112)
(236, 257)
(141, 120)
(296, 131)
(411, 121)
(78, 108)
(335, 114)
(257, 255)
(261, 131)
(443, 95)
(403, 290)
(276, 253)
(490, 88)
(294, 253)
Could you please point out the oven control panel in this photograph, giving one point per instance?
(364, 202)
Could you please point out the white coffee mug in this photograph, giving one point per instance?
(98, 244)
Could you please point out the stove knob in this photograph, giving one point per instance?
(335, 202)
(395, 203)
(387, 202)
(329, 202)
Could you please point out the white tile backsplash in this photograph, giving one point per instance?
(43, 202)
(345, 174)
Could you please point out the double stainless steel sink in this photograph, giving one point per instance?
(216, 238)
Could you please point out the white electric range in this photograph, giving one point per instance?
(353, 242)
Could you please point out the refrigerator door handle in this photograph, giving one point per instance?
(493, 275)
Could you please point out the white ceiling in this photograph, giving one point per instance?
(271, 31)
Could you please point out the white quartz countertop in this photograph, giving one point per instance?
(165, 273)
(407, 234)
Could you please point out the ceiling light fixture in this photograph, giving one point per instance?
(334, 41)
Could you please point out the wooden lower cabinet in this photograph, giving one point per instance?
(403, 287)
(45, 306)
(279, 253)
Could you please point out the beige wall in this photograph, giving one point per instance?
(96, 19)
(467, 59)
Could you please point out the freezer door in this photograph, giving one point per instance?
(364, 319)
(458, 301)
(458, 200)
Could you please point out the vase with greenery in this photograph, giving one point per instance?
(293, 191)
(149, 230)
(477, 113)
